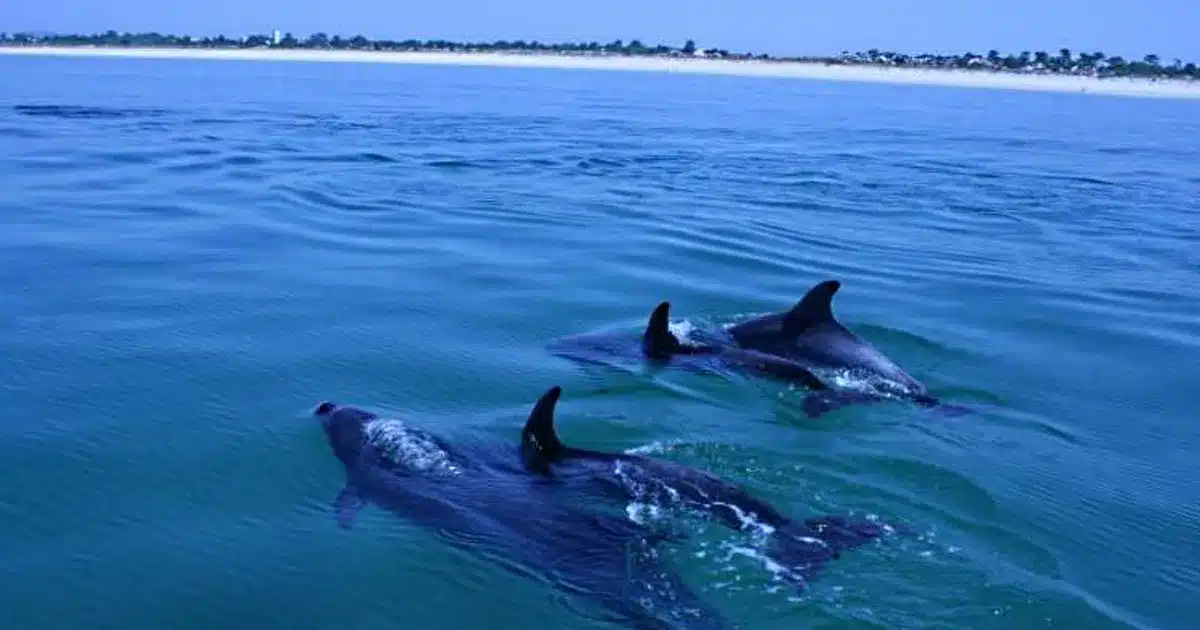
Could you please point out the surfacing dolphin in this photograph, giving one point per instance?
(659, 346)
(484, 498)
(800, 547)
(811, 336)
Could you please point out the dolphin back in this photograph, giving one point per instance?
(801, 547)
(772, 366)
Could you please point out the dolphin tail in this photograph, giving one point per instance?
(941, 408)
(824, 401)
(638, 586)
(847, 532)
(802, 548)
(651, 580)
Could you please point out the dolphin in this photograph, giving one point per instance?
(799, 547)
(659, 346)
(811, 336)
(483, 498)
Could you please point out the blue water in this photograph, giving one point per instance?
(196, 253)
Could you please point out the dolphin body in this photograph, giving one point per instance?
(800, 547)
(486, 499)
(660, 346)
(810, 335)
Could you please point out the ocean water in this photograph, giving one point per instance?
(196, 253)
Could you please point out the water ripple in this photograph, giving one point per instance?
(190, 270)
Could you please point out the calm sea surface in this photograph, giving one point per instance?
(196, 253)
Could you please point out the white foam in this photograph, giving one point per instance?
(654, 448)
(683, 329)
(643, 513)
(863, 382)
(409, 448)
(748, 522)
(781, 576)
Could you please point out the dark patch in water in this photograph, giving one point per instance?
(376, 157)
(18, 132)
(1018, 143)
(213, 121)
(242, 160)
(197, 151)
(593, 164)
(1080, 179)
(81, 111)
(662, 157)
(450, 164)
(343, 157)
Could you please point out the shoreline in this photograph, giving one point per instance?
(1111, 86)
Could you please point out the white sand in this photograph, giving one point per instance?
(818, 71)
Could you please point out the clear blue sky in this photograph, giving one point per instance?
(1170, 28)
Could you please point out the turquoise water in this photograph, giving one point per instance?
(196, 253)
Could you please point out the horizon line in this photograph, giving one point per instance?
(633, 46)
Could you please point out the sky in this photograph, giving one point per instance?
(1169, 28)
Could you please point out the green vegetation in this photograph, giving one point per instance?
(1095, 64)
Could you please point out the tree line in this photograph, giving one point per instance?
(1064, 62)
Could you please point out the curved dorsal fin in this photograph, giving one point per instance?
(814, 308)
(658, 341)
(539, 442)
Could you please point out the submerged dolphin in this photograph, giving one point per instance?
(800, 547)
(486, 499)
(660, 346)
(809, 335)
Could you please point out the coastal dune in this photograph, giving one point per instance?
(1135, 87)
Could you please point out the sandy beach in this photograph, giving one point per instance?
(776, 69)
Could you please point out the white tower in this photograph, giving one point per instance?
(276, 39)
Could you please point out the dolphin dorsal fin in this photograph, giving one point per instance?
(539, 442)
(816, 307)
(658, 341)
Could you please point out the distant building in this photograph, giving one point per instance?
(276, 38)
